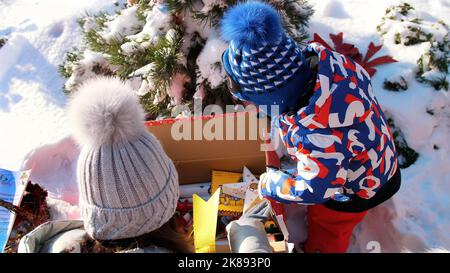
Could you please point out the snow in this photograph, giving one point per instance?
(416, 218)
(124, 24)
(209, 62)
(192, 26)
(130, 47)
(157, 22)
(147, 84)
(58, 171)
(335, 9)
(84, 71)
(127, 25)
(31, 98)
(36, 136)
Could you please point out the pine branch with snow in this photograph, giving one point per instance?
(169, 50)
(433, 65)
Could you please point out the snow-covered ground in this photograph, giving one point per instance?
(34, 132)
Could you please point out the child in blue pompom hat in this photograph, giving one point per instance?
(328, 118)
(266, 63)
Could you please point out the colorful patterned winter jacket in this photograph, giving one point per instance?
(341, 141)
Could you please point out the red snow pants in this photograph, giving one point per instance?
(330, 231)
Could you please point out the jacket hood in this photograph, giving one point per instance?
(330, 109)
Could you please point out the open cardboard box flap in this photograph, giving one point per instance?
(238, 144)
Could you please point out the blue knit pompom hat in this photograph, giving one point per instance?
(261, 58)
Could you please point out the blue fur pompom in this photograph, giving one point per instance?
(251, 23)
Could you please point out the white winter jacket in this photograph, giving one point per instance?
(65, 236)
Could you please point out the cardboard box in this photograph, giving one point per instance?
(195, 158)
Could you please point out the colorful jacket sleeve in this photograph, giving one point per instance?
(322, 164)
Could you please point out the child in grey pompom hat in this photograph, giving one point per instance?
(128, 185)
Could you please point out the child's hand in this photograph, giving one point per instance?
(247, 235)
(259, 212)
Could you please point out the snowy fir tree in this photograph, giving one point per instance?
(169, 50)
(406, 27)
(403, 25)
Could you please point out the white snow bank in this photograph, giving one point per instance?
(54, 167)
(32, 103)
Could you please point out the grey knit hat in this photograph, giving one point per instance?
(128, 186)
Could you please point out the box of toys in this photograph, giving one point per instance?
(218, 159)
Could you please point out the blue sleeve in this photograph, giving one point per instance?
(322, 164)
